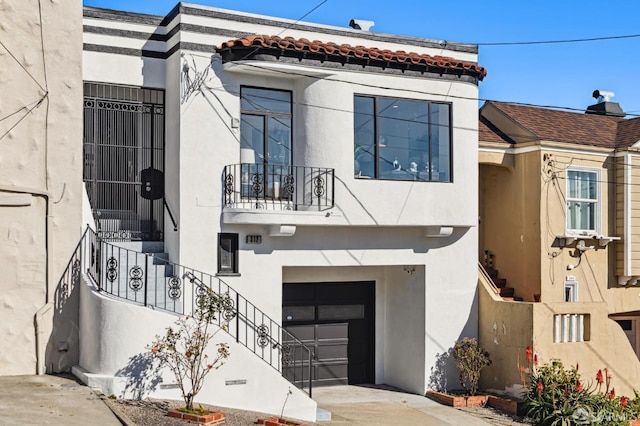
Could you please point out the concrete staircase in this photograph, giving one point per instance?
(507, 293)
(151, 258)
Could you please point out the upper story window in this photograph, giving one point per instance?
(583, 200)
(400, 139)
(265, 126)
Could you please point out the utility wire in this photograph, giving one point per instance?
(22, 66)
(24, 116)
(573, 40)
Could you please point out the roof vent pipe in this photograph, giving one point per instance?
(603, 95)
(604, 106)
(361, 24)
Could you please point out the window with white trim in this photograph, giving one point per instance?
(583, 200)
(570, 291)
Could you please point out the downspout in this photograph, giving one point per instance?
(40, 366)
(627, 216)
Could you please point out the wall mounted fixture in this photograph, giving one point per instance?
(409, 269)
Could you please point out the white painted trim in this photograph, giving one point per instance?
(598, 209)
(527, 149)
(627, 214)
(573, 284)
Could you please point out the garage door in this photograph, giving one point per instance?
(336, 320)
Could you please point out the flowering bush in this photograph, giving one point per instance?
(556, 395)
(183, 349)
(470, 360)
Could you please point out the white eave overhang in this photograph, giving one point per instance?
(276, 69)
(284, 223)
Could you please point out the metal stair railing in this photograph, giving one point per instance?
(155, 282)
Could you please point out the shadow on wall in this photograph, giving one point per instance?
(143, 376)
(63, 350)
(444, 373)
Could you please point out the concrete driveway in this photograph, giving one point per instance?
(51, 400)
(360, 405)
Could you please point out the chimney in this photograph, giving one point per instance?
(604, 106)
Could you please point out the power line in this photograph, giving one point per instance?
(24, 116)
(470, 98)
(573, 40)
(22, 66)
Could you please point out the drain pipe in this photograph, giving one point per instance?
(40, 366)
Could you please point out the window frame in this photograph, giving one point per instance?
(572, 286)
(265, 115)
(377, 136)
(598, 201)
(234, 244)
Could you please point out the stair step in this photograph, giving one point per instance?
(506, 291)
(499, 282)
(493, 273)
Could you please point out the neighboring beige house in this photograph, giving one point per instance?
(40, 182)
(558, 194)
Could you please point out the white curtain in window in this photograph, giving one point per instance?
(582, 199)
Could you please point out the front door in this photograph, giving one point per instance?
(124, 160)
(336, 320)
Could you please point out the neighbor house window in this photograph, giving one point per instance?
(570, 291)
(582, 200)
(227, 253)
(401, 139)
(265, 140)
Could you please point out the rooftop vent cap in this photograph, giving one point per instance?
(603, 95)
(361, 24)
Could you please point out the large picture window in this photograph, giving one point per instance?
(400, 139)
(582, 200)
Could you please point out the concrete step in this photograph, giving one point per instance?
(141, 246)
(499, 282)
(506, 291)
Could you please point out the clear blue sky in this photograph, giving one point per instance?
(550, 74)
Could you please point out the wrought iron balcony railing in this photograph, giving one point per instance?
(151, 281)
(278, 187)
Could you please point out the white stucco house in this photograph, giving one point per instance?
(326, 177)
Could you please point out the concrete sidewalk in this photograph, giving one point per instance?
(359, 405)
(51, 400)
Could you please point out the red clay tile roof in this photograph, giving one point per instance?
(562, 126)
(346, 51)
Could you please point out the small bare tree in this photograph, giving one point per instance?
(470, 359)
(184, 349)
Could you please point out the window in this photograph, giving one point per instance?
(570, 291)
(227, 253)
(582, 200)
(265, 141)
(265, 126)
(400, 139)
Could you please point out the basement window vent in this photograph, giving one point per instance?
(571, 328)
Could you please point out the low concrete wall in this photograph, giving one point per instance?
(114, 357)
(507, 328)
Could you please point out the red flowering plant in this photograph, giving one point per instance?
(185, 348)
(556, 395)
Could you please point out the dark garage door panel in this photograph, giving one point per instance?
(340, 331)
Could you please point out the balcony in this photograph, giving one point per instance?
(277, 194)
